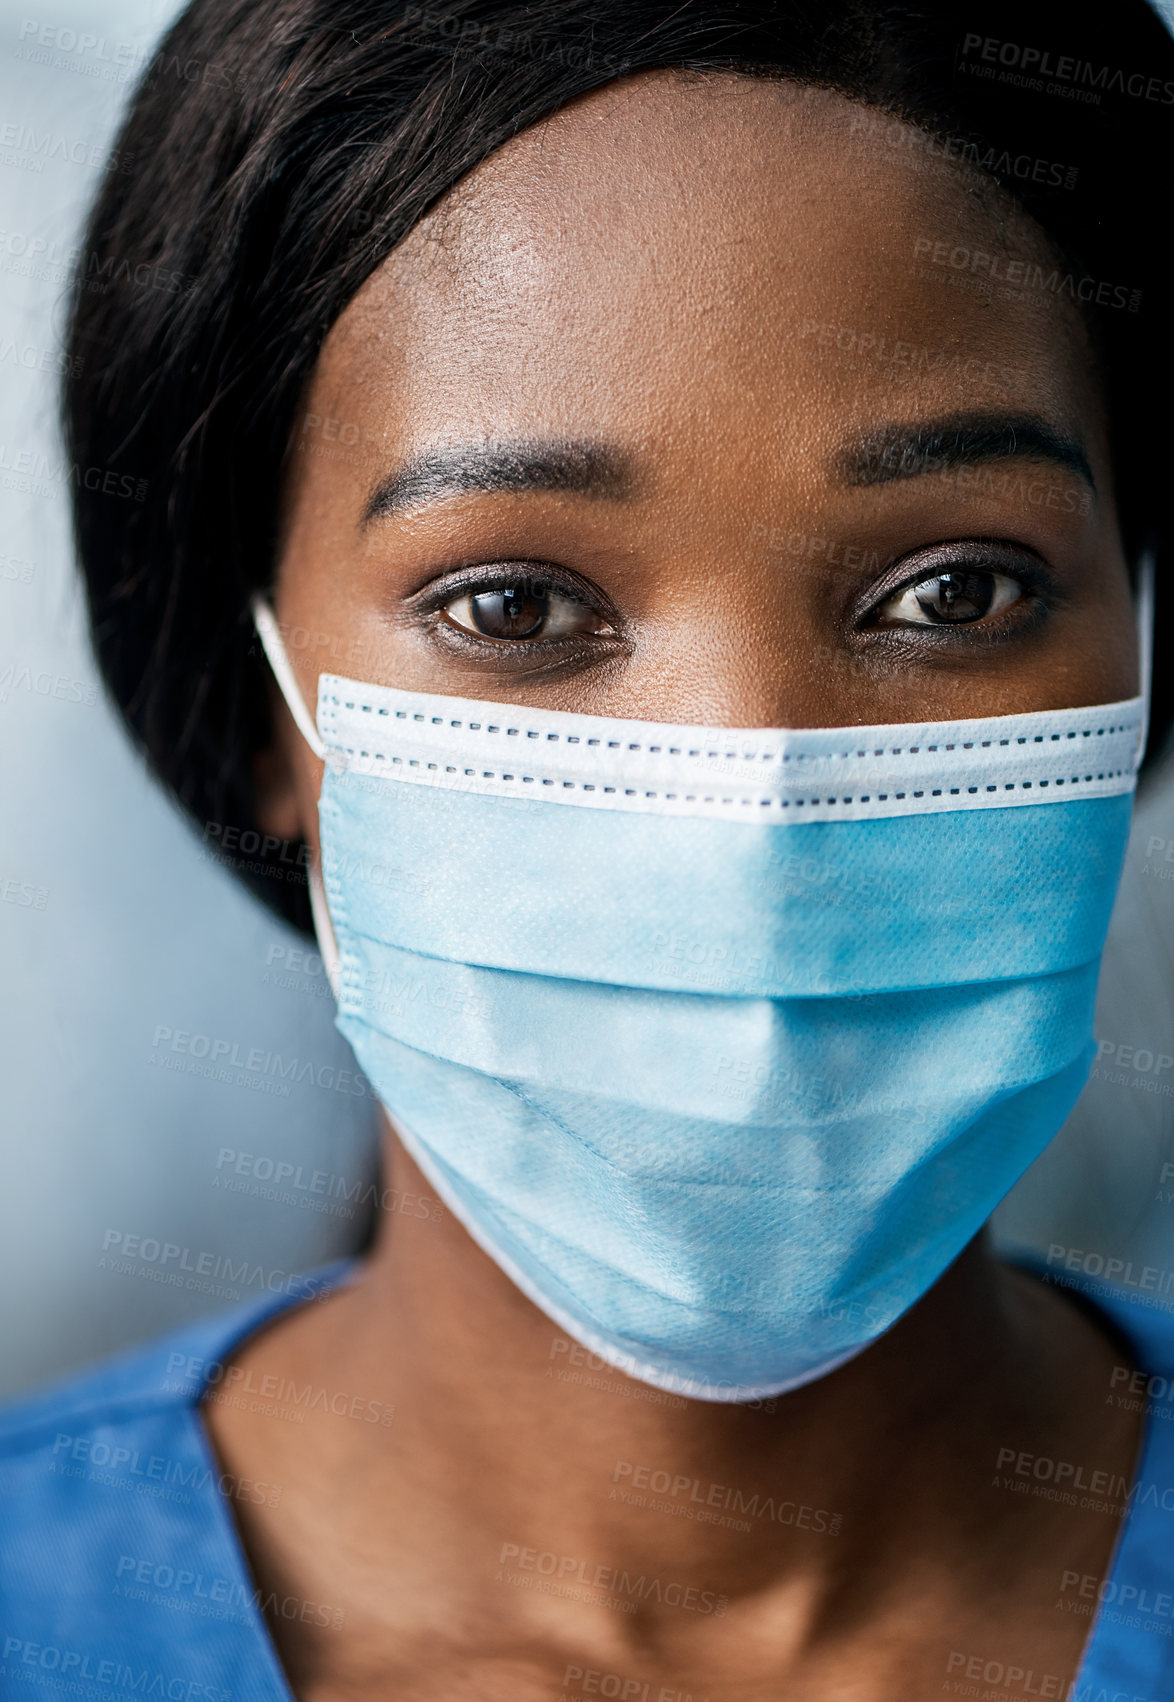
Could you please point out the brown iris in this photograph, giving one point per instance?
(513, 612)
(955, 598)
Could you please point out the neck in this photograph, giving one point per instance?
(553, 1462)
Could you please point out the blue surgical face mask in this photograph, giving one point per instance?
(721, 1043)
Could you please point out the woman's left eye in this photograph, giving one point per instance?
(952, 599)
(522, 610)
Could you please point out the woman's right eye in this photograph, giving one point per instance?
(953, 599)
(523, 610)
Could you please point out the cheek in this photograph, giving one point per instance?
(1105, 640)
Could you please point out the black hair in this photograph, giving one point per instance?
(275, 152)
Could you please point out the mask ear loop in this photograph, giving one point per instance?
(1145, 643)
(324, 929)
(274, 647)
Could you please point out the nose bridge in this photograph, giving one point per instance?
(788, 682)
(746, 655)
(747, 568)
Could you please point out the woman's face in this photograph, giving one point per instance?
(665, 411)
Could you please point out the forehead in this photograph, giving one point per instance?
(670, 246)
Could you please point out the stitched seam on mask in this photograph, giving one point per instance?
(491, 729)
(349, 969)
(763, 803)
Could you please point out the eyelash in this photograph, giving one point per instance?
(479, 581)
(995, 556)
(978, 555)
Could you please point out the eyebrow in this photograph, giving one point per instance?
(909, 451)
(578, 467)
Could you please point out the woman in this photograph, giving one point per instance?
(564, 392)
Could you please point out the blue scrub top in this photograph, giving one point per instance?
(121, 1573)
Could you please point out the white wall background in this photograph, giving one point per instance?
(115, 923)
